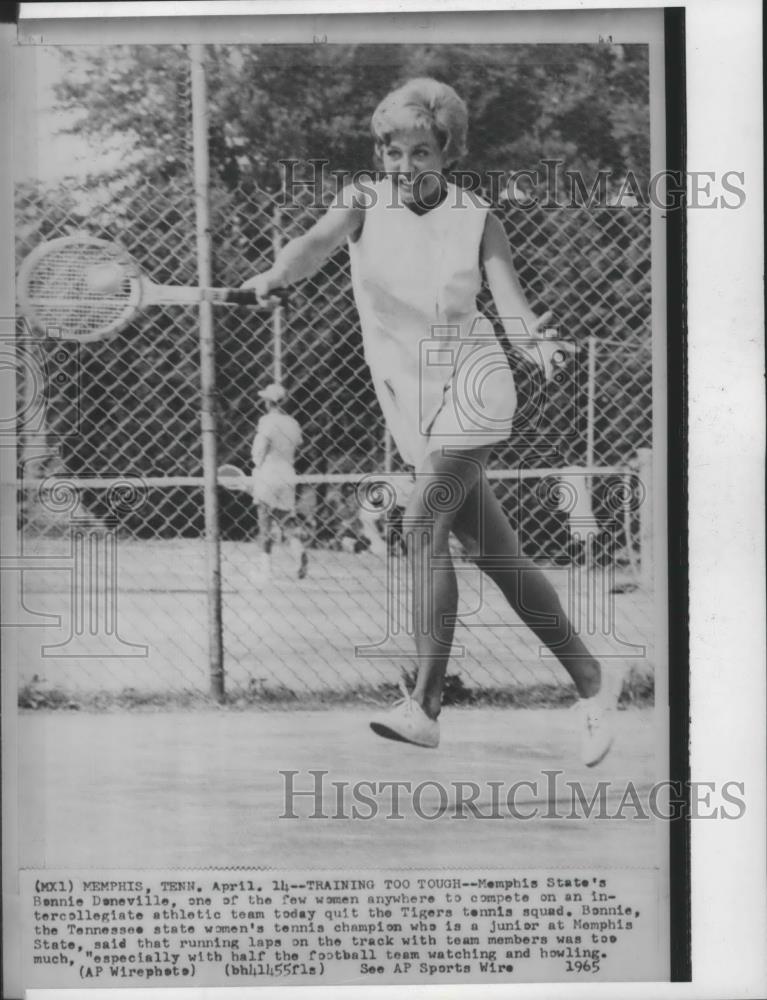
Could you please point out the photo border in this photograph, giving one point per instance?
(679, 692)
(677, 531)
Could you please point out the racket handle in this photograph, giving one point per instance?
(248, 297)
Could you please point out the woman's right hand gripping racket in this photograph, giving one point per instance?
(86, 289)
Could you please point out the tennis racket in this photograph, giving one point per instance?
(86, 289)
(233, 478)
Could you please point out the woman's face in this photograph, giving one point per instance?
(410, 154)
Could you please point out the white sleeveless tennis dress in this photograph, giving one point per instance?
(440, 375)
(274, 448)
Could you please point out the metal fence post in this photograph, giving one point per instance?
(278, 315)
(646, 527)
(207, 373)
(591, 388)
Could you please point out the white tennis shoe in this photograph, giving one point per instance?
(408, 723)
(597, 719)
(299, 556)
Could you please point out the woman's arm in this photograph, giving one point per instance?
(517, 317)
(304, 255)
(260, 447)
(520, 324)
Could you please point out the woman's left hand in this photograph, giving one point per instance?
(550, 354)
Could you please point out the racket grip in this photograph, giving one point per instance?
(248, 297)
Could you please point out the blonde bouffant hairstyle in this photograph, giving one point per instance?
(424, 103)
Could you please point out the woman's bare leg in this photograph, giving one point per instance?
(485, 531)
(453, 494)
(265, 528)
(443, 485)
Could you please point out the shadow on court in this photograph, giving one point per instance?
(204, 788)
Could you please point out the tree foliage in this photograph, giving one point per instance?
(587, 104)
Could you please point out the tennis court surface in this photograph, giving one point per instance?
(203, 788)
(169, 786)
(299, 638)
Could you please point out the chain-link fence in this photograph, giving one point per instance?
(114, 453)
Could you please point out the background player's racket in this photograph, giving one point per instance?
(233, 478)
(82, 288)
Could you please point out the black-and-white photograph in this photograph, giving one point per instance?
(338, 604)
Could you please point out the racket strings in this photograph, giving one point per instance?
(59, 292)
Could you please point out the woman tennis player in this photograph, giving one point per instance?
(417, 245)
(278, 435)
